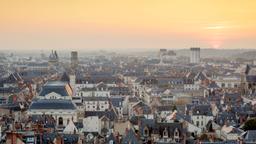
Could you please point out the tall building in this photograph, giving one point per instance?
(161, 53)
(195, 55)
(74, 59)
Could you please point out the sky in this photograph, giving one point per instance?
(126, 24)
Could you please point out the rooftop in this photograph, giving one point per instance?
(52, 104)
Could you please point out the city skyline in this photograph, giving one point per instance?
(111, 25)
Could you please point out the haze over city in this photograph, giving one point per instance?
(127, 72)
(134, 24)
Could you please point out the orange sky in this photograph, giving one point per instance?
(88, 24)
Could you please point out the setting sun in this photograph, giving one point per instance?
(133, 23)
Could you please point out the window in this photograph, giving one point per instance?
(30, 139)
(60, 121)
(229, 85)
(222, 84)
(165, 133)
(111, 142)
(176, 135)
(197, 123)
(146, 131)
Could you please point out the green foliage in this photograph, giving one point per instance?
(250, 124)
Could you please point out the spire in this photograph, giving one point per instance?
(247, 69)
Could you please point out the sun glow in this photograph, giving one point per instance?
(131, 23)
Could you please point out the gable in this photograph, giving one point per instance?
(53, 95)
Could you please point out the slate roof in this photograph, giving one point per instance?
(98, 79)
(68, 138)
(135, 119)
(35, 64)
(133, 99)
(164, 108)
(146, 109)
(120, 91)
(130, 137)
(202, 110)
(79, 125)
(170, 126)
(149, 123)
(30, 74)
(65, 77)
(251, 78)
(61, 88)
(95, 98)
(52, 104)
(213, 85)
(250, 136)
(232, 97)
(12, 78)
(180, 116)
(109, 114)
(117, 101)
(226, 116)
(10, 90)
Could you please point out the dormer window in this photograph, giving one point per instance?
(146, 132)
(165, 133)
(176, 133)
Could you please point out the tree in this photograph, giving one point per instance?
(174, 108)
(250, 124)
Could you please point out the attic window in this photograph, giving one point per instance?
(146, 131)
(165, 133)
(176, 133)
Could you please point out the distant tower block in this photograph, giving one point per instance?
(74, 59)
(161, 53)
(195, 55)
